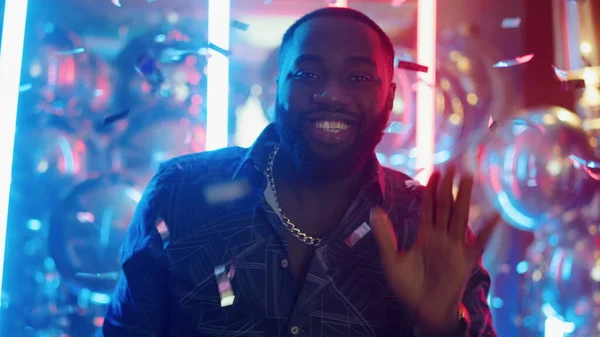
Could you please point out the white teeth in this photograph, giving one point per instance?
(331, 126)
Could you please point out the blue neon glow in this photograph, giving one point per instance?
(11, 54)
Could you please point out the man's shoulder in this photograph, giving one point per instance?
(201, 167)
(397, 180)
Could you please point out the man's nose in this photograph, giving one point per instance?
(333, 95)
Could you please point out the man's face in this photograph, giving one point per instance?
(334, 96)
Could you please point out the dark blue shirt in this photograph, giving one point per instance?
(209, 211)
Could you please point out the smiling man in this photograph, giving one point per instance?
(305, 234)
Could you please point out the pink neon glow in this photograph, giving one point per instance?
(426, 49)
(338, 3)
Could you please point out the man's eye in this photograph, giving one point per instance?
(361, 79)
(305, 75)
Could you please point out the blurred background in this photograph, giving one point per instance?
(109, 89)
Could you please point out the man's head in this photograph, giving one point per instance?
(334, 91)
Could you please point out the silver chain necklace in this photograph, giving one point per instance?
(288, 224)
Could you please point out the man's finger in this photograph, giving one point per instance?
(384, 233)
(485, 234)
(444, 201)
(460, 211)
(427, 203)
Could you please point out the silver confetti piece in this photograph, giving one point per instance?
(98, 276)
(226, 192)
(511, 23)
(513, 62)
(71, 52)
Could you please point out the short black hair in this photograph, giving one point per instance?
(388, 47)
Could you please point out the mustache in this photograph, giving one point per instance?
(303, 114)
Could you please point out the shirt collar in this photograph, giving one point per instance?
(258, 154)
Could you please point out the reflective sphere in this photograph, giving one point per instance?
(87, 230)
(57, 74)
(164, 70)
(563, 281)
(51, 158)
(467, 93)
(147, 145)
(526, 169)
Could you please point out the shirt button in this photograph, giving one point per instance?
(295, 330)
(284, 263)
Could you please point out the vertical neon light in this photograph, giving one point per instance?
(11, 54)
(338, 3)
(426, 49)
(217, 95)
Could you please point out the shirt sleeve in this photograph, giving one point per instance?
(139, 303)
(475, 301)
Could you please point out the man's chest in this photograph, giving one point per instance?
(344, 292)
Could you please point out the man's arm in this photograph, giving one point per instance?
(475, 301)
(139, 303)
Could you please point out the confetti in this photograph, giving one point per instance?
(224, 286)
(397, 3)
(147, 67)
(412, 185)
(170, 55)
(358, 234)
(587, 163)
(98, 276)
(71, 52)
(511, 22)
(513, 62)
(412, 66)
(116, 3)
(163, 230)
(397, 127)
(226, 192)
(240, 25)
(25, 87)
(219, 49)
(115, 117)
(560, 74)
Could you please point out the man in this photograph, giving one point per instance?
(311, 247)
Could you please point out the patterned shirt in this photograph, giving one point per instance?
(205, 233)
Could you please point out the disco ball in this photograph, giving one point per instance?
(51, 158)
(563, 282)
(526, 169)
(164, 70)
(147, 144)
(58, 77)
(87, 230)
(467, 93)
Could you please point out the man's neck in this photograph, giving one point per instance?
(340, 186)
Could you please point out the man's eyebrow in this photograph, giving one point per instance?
(361, 60)
(309, 58)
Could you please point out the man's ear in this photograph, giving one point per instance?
(391, 96)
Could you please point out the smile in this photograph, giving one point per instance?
(331, 126)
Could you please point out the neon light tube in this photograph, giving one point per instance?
(217, 93)
(11, 55)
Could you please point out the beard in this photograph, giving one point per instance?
(321, 168)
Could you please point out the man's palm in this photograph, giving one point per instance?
(430, 277)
